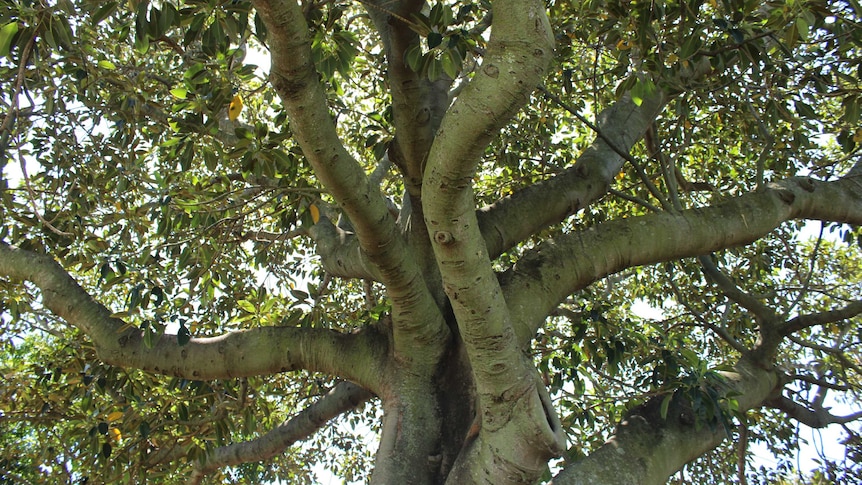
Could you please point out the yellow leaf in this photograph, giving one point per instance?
(315, 213)
(621, 175)
(857, 137)
(114, 416)
(116, 434)
(235, 107)
(624, 45)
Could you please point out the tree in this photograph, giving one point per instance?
(431, 220)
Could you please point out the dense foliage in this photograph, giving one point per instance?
(121, 162)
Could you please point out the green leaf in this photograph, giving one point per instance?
(180, 93)
(413, 57)
(7, 32)
(110, 66)
(802, 28)
(149, 335)
(665, 404)
(435, 67)
(643, 87)
(183, 412)
(805, 111)
(434, 39)
(103, 12)
(183, 335)
(144, 430)
(451, 61)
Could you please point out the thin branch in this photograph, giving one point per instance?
(10, 118)
(729, 289)
(813, 417)
(634, 199)
(718, 330)
(342, 398)
(820, 382)
(613, 146)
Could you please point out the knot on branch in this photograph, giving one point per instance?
(443, 237)
(786, 196)
(807, 185)
(491, 71)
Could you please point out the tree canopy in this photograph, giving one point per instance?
(430, 223)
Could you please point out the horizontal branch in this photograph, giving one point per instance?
(550, 272)
(822, 318)
(340, 253)
(813, 417)
(257, 351)
(342, 398)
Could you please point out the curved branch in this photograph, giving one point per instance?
(342, 398)
(340, 253)
(417, 321)
(418, 105)
(730, 290)
(512, 401)
(553, 270)
(532, 209)
(257, 351)
(804, 321)
(516, 59)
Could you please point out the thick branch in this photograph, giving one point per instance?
(340, 253)
(646, 449)
(417, 322)
(418, 105)
(519, 50)
(558, 267)
(804, 321)
(257, 351)
(511, 405)
(526, 212)
(342, 398)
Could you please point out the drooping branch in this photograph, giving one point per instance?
(515, 218)
(258, 351)
(558, 267)
(295, 79)
(342, 398)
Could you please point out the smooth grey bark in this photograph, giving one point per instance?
(554, 269)
(259, 351)
(295, 79)
(496, 316)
